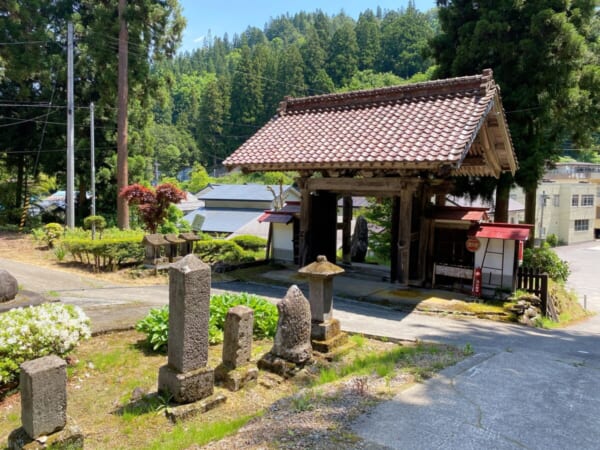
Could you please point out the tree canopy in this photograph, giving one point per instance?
(544, 57)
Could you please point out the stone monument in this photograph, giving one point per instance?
(43, 384)
(186, 376)
(292, 348)
(235, 371)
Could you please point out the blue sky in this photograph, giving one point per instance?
(234, 16)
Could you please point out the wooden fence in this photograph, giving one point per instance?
(534, 282)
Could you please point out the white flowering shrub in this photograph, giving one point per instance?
(36, 331)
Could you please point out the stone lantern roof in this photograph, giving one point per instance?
(321, 268)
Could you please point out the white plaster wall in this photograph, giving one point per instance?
(496, 273)
(283, 245)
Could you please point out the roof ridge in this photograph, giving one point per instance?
(482, 82)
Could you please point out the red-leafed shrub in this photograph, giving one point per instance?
(153, 204)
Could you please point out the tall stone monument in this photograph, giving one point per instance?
(186, 376)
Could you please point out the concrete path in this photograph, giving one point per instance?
(523, 388)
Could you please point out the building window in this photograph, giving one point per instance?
(582, 225)
(575, 200)
(556, 200)
(587, 200)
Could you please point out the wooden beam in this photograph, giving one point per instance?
(364, 186)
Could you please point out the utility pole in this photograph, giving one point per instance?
(70, 194)
(122, 99)
(93, 167)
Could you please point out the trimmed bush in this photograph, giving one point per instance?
(52, 233)
(249, 242)
(98, 222)
(219, 250)
(30, 333)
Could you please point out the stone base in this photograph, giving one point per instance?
(327, 346)
(279, 366)
(69, 437)
(323, 331)
(183, 412)
(186, 387)
(236, 379)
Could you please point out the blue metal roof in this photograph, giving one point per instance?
(240, 192)
(220, 220)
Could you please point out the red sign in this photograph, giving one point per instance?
(473, 244)
(476, 292)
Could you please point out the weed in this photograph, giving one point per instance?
(60, 253)
(360, 385)
(304, 401)
(358, 340)
(468, 349)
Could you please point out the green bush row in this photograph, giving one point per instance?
(106, 253)
(156, 324)
(221, 250)
(249, 242)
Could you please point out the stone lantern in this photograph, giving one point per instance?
(325, 330)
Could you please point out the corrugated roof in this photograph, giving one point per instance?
(220, 220)
(240, 192)
(460, 213)
(419, 126)
(506, 231)
(276, 217)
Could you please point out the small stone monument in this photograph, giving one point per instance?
(43, 384)
(360, 240)
(8, 286)
(325, 330)
(235, 371)
(291, 349)
(186, 376)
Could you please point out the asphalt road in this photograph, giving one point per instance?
(523, 388)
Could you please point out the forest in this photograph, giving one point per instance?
(188, 111)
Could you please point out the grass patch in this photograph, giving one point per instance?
(112, 390)
(185, 435)
(384, 364)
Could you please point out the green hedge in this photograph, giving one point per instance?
(249, 242)
(220, 250)
(108, 253)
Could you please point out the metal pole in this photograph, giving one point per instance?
(92, 167)
(542, 214)
(70, 194)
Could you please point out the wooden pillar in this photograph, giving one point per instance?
(395, 237)
(323, 223)
(406, 201)
(424, 234)
(347, 229)
(305, 211)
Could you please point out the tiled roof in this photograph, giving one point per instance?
(418, 126)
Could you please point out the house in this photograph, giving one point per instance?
(404, 142)
(516, 209)
(233, 209)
